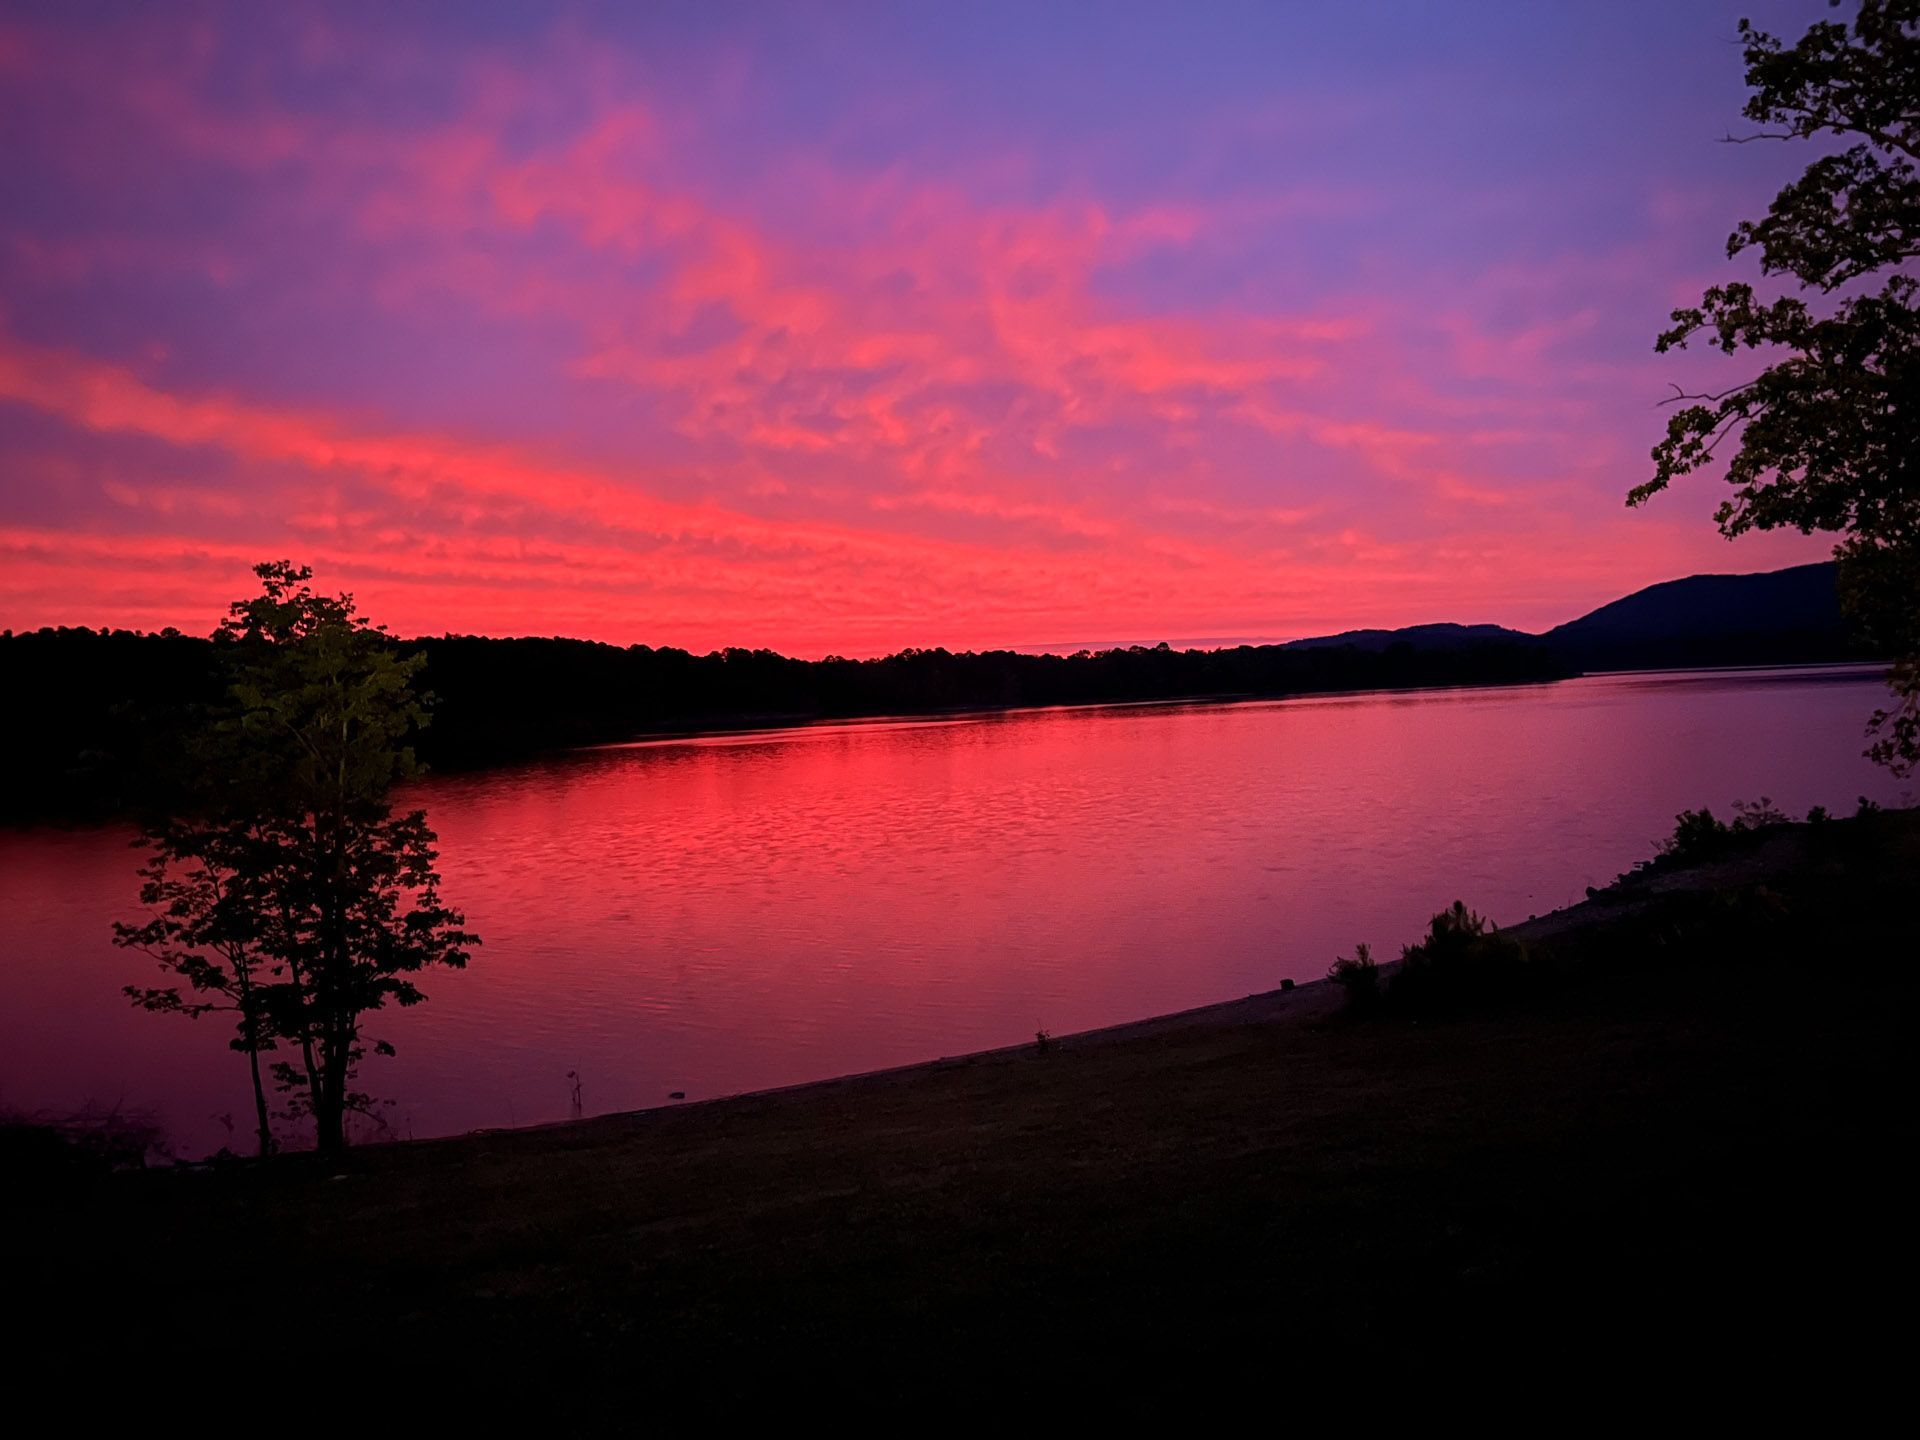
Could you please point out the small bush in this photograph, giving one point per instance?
(46, 1156)
(1697, 834)
(1462, 956)
(1758, 814)
(1358, 976)
(1702, 835)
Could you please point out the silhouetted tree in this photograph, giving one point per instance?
(289, 887)
(205, 929)
(1826, 436)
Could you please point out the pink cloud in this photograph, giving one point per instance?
(858, 407)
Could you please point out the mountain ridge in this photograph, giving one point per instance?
(1793, 612)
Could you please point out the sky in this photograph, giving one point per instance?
(838, 328)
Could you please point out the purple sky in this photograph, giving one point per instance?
(842, 327)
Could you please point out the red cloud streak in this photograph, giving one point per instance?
(555, 350)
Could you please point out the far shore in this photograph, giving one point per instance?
(113, 773)
(774, 725)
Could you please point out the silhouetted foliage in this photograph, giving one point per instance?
(88, 742)
(1827, 436)
(1759, 814)
(1775, 901)
(49, 1156)
(1701, 835)
(91, 715)
(1463, 957)
(283, 887)
(1697, 835)
(206, 928)
(1359, 976)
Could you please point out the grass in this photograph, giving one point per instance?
(1682, 1161)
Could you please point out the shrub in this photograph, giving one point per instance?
(1758, 814)
(1462, 956)
(1449, 934)
(1358, 976)
(1701, 835)
(46, 1156)
(1696, 835)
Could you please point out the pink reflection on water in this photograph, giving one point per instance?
(728, 913)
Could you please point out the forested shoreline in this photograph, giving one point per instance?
(88, 732)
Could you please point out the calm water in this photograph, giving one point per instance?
(723, 914)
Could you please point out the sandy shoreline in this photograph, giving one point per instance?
(1306, 1002)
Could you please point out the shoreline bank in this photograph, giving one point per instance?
(1758, 858)
(82, 805)
(1683, 1153)
(773, 726)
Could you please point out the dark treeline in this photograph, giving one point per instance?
(1799, 645)
(500, 697)
(92, 715)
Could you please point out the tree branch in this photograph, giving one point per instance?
(1707, 397)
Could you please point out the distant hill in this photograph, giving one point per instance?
(1443, 636)
(1777, 617)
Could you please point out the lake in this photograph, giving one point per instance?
(727, 913)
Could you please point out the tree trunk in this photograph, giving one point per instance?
(250, 1022)
(329, 1135)
(260, 1104)
(331, 977)
(330, 1099)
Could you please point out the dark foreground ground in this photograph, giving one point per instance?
(1667, 1165)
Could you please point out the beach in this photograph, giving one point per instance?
(1673, 1155)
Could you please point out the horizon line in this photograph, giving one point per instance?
(1185, 645)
